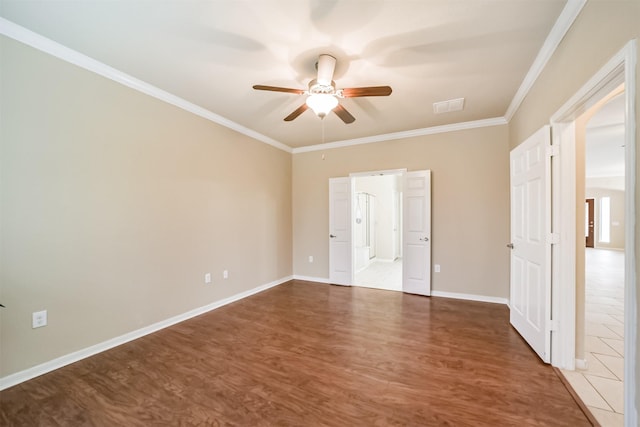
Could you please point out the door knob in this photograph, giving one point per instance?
(424, 239)
(332, 236)
(510, 245)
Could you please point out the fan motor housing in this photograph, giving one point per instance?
(315, 87)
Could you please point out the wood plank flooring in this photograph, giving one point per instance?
(304, 354)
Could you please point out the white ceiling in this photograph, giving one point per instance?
(210, 53)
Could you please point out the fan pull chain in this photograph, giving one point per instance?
(322, 121)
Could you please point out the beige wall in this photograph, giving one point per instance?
(470, 204)
(114, 205)
(599, 32)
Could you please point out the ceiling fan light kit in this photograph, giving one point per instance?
(322, 96)
(322, 103)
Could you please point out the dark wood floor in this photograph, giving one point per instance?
(305, 354)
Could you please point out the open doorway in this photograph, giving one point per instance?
(590, 222)
(569, 194)
(602, 371)
(410, 209)
(378, 231)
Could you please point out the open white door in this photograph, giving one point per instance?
(416, 233)
(340, 271)
(531, 241)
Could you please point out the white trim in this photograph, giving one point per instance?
(621, 68)
(378, 173)
(323, 280)
(630, 295)
(27, 374)
(470, 297)
(28, 37)
(610, 76)
(563, 342)
(557, 33)
(440, 294)
(497, 121)
(581, 364)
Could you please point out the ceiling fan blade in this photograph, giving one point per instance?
(301, 109)
(326, 66)
(344, 114)
(278, 89)
(353, 92)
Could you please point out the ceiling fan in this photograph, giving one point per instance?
(322, 95)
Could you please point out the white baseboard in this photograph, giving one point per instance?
(27, 374)
(581, 364)
(312, 279)
(470, 297)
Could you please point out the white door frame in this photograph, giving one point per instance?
(620, 69)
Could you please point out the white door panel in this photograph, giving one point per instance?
(416, 227)
(530, 302)
(340, 270)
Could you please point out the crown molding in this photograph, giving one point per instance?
(557, 33)
(37, 41)
(497, 121)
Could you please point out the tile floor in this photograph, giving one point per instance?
(600, 386)
(381, 275)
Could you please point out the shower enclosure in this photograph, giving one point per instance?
(365, 237)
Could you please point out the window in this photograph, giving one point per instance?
(605, 220)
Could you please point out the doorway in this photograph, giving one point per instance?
(589, 221)
(412, 191)
(599, 376)
(377, 225)
(568, 292)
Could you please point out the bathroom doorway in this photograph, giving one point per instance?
(378, 231)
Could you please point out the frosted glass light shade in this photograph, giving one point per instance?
(322, 103)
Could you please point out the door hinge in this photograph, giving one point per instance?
(553, 238)
(552, 150)
(552, 325)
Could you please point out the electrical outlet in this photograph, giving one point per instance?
(39, 319)
(225, 274)
(207, 278)
(310, 258)
(437, 268)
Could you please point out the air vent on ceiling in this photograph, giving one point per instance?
(448, 106)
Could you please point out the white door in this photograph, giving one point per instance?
(416, 233)
(531, 241)
(340, 272)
